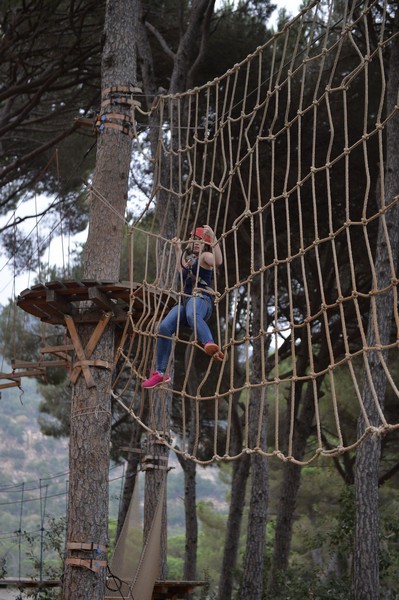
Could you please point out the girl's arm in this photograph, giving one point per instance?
(214, 258)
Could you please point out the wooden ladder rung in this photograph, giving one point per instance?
(14, 383)
(54, 349)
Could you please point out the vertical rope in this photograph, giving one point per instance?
(19, 532)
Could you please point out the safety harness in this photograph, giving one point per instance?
(190, 261)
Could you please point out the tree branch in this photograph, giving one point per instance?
(161, 40)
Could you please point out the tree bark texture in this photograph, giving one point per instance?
(190, 482)
(284, 522)
(91, 407)
(240, 475)
(190, 511)
(133, 465)
(241, 468)
(253, 573)
(155, 478)
(365, 578)
(253, 576)
(289, 491)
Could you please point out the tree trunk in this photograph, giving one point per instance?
(240, 474)
(289, 492)
(133, 464)
(190, 492)
(253, 574)
(155, 478)
(190, 511)
(241, 469)
(91, 407)
(365, 578)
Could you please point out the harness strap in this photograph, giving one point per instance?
(91, 546)
(92, 564)
(194, 278)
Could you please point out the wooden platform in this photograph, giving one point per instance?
(174, 590)
(86, 300)
(163, 590)
(9, 582)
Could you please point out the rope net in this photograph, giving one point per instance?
(286, 157)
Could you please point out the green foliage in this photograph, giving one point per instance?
(210, 544)
(206, 592)
(22, 334)
(143, 255)
(175, 566)
(298, 584)
(54, 47)
(210, 540)
(50, 543)
(55, 409)
(320, 565)
(389, 544)
(112, 527)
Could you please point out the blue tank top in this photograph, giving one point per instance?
(190, 279)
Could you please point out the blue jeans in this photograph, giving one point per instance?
(182, 315)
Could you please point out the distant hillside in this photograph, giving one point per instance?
(34, 485)
(26, 453)
(29, 456)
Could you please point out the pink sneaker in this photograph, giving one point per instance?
(155, 379)
(213, 350)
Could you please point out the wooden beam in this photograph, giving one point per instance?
(100, 299)
(55, 349)
(84, 355)
(97, 333)
(79, 352)
(35, 372)
(58, 305)
(15, 383)
(41, 364)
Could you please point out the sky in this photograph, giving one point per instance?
(292, 7)
(10, 287)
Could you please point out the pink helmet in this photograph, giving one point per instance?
(200, 233)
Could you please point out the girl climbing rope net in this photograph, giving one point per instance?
(196, 306)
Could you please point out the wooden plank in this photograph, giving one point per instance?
(90, 282)
(28, 583)
(36, 309)
(174, 589)
(41, 364)
(79, 352)
(32, 373)
(58, 304)
(15, 383)
(71, 284)
(55, 284)
(86, 317)
(54, 349)
(51, 303)
(97, 333)
(49, 309)
(90, 347)
(23, 364)
(100, 299)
